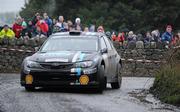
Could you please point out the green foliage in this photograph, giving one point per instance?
(167, 81)
(137, 15)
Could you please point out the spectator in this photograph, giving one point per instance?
(24, 32)
(100, 29)
(70, 25)
(78, 25)
(92, 28)
(121, 38)
(23, 22)
(86, 29)
(113, 36)
(134, 37)
(17, 27)
(54, 22)
(140, 37)
(175, 40)
(60, 23)
(7, 32)
(36, 18)
(130, 36)
(156, 35)
(148, 38)
(39, 32)
(66, 28)
(31, 29)
(78, 28)
(167, 36)
(43, 26)
(48, 22)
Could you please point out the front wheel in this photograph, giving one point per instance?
(117, 85)
(101, 79)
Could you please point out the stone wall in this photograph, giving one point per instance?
(142, 62)
(12, 52)
(137, 61)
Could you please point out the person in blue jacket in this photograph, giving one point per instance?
(167, 36)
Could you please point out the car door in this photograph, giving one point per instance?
(106, 58)
(112, 58)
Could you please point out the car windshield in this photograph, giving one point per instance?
(70, 44)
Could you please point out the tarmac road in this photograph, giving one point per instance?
(14, 98)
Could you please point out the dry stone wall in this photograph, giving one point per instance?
(137, 59)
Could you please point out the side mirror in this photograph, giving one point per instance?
(108, 34)
(36, 49)
(105, 50)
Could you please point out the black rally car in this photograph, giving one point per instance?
(73, 59)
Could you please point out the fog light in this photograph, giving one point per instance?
(84, 80)
(29, 79)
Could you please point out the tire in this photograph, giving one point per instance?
(29, 88)
(101, 79)
(117, 85)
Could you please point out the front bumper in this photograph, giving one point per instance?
(58, 78)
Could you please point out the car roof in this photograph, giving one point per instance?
(78, 34)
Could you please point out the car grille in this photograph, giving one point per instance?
(58, 76)
(64, 66)
(48, 76)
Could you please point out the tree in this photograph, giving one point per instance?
(137, 15)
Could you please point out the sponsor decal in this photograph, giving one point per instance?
(56, 60)
(65, 53)
(84, 80)
(29, 79)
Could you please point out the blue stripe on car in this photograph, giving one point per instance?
(81, 57)
(78, 70)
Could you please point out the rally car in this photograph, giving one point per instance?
(73, 59)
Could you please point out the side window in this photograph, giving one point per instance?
(112, 46)
(103, 44)
(108, 43)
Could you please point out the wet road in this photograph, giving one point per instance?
(13, 98)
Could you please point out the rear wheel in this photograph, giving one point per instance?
(102, 79)
(29, 88)
(117, 85)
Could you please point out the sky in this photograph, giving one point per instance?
(11, 5)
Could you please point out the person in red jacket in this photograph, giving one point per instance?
(121, 38)
(43, 26)
(113, 36)
(17, 27)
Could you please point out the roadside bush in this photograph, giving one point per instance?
(167, 81)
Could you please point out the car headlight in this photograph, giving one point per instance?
(32, 64)
(84, 64)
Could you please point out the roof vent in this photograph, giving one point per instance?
(75, 33)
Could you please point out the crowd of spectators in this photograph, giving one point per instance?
(44, 26)
(168, 39)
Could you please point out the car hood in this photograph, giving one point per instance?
(63, 56)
